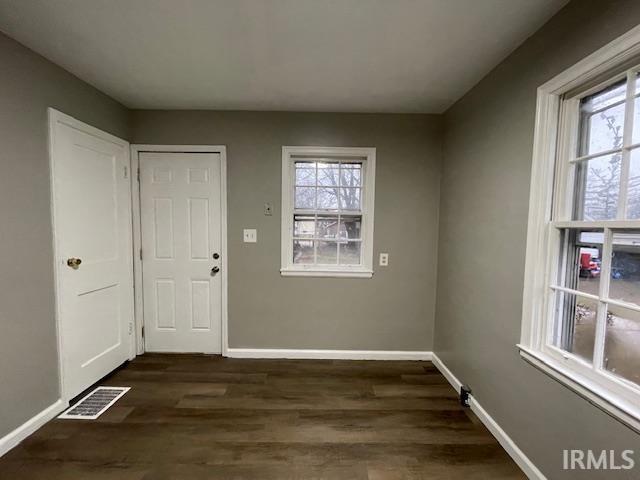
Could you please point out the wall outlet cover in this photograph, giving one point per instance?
(250, 235)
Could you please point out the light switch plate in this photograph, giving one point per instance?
(384, 259)
(250, 235)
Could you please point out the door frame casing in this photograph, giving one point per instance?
(55, 117)
(136, 150)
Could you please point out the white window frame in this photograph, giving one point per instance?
(368, 157)
(619, 398)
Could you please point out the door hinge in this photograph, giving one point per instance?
(130, 328)
(140, 254)
(138, 174)
(126, 172)
(142, 330)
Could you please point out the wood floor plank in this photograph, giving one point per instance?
(414, 391)
(208, 417)
(55, 470)
(326, 402)
(226, 472)
(164, 393)
(427, 378)
(438, 472)
(212, 376)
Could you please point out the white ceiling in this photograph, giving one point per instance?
(305, 55)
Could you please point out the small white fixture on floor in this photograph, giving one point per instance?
(95, 403)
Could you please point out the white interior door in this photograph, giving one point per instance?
(180, 216)
(94, 268)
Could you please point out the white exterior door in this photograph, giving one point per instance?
(180, 215)
(94, 268)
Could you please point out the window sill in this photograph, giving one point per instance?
(294, 272)
(621, 410)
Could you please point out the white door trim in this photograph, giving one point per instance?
(136, 149)
(56, 117)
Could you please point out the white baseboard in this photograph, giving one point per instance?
(327, 354)
(13, 438)
(518, 456)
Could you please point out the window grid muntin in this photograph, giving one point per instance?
(339, 213)
(566, 191)
(633, 150)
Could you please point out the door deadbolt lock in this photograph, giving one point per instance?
(216, 256)
(74, 262)
(215, 270)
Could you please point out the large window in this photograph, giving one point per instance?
(327, 211)
(582, 289)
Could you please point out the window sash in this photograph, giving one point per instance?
(569, 141)
(336, 186)
(339, 240)
(318, 213)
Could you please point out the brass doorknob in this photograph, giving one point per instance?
(74, 262)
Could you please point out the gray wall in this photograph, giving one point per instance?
(392, 311)
(484, 207)
(28, 85)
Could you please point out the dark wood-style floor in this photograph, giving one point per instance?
(206, 417)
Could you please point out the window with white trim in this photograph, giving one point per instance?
(582, 286)
(327, 211)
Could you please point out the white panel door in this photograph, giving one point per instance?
(180, 215)
(94, 272)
